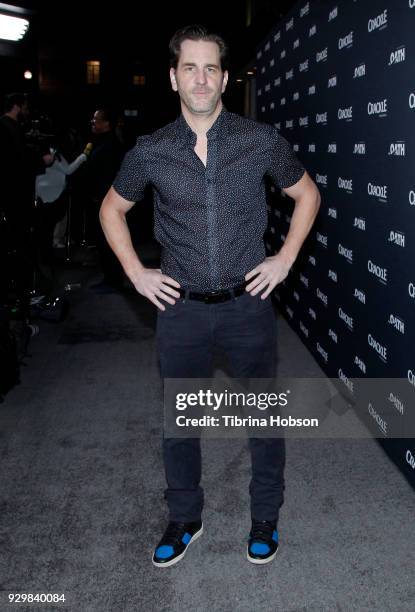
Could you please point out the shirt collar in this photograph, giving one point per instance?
(185, 132)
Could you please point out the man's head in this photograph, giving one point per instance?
(198, 71)
(16, 105)
(102, 121)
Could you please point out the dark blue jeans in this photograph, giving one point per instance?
(244, 330)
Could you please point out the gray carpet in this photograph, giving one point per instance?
(82, 490)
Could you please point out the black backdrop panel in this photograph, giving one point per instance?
(338, 81)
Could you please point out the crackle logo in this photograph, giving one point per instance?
(379, 108)
(379, 22)
(346, 42)
(378, 191)
(379, 348)
(380, 273)
(382, 423)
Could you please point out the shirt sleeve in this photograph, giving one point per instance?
(131, 180)
(285, 169)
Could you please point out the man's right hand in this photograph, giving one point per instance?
(153, 284)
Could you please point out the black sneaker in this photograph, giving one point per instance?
(173, 545)
(262, 542)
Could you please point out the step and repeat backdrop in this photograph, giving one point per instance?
(337, 79)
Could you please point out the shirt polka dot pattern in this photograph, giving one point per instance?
(210, 221)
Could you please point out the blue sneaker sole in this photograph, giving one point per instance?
(260, 561)
(179, 557)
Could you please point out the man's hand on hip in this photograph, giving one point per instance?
(269, 273)
(153, 284)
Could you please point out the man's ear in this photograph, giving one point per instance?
(225, 80)
(173, 79)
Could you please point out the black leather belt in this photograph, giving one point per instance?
(213, 297)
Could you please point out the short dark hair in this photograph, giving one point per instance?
(14, 98)
(196, 32)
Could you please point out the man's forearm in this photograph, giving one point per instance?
(115, 228)
(305, 212)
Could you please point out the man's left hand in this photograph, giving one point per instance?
(272, 271)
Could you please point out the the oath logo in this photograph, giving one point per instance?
(303, 66)
(322, 239)
(359, 224)
(296, 96)
(346, 253)
(283, 54)
(360, 295)
(359, 71)
(332, 212)
(378, 191)
(282, 101)
(312, 90)
(380, 273)
(312, 147)
(296, 296)
(289, 25)
(305, 10)
(272, 105)
(312, 314)
(397, 148)
(379, 348)
(397, 238)
(267, 86)
(322, 296)
(267, 46)
(277, 36)
(345, 113)
(346, 184)
(289, 124)
(271, 62)
(381, 422)
(289, 75)
(322, 352)
(321, 179)
(360, 364)
(259, 55)
(321, 56)
(332, 334)
(332, 275)
(379, 22)
(332, 82)
(346, 41)
(345, 318)
(296, 43)
(304, 280)
(289, 312)
(379, 108)
(321, 118)
(277, 82)
(312, 31)
(333, 13)
(397, 323)
(346, 380)
(303, 121)
(397, 56)
(312, 260)
(304, 329)
(332, 147)
(359, 148)
(397, 402)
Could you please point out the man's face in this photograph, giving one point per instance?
(198, 78)
(98, 124)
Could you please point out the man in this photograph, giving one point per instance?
(102, 166)
(207, 170)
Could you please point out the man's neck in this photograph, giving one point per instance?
(200, 124)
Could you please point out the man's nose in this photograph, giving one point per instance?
(201, 78)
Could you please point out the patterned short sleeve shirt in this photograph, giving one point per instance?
(209, 220)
